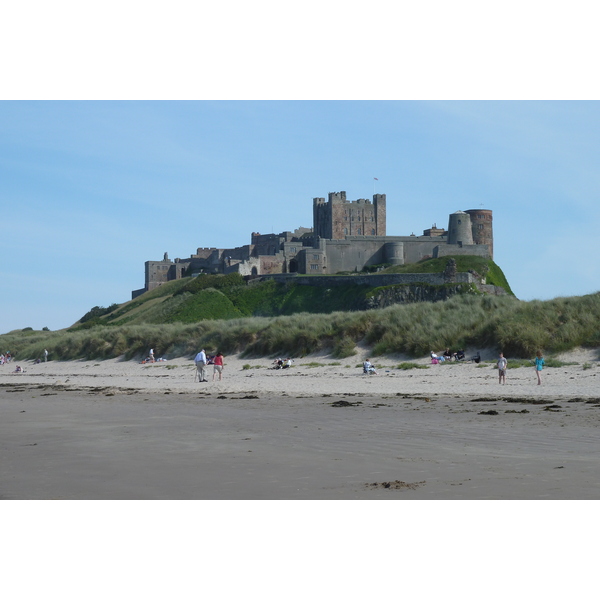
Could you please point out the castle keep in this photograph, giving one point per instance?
(346, 236)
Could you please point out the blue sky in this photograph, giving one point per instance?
(92, 189)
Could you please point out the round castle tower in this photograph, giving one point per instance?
(459, 229)
(481, 227)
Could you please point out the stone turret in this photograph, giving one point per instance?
(459, 229)
(481, 226)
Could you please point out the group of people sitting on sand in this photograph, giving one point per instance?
(282, 363)
(5, 358)
(447, 355)
(150, 358)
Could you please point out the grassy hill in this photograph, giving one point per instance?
(483, 266)
(268, 318)
(470, 321)
(209, 297)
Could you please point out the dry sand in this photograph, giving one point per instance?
(122, 430)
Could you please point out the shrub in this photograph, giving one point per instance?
(344, 348)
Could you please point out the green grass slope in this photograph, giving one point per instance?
(210, 297)
(471, 321)
(484, 266)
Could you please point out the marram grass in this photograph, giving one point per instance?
(514, 327)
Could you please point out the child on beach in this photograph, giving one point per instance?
(502, 362)
(539, 363)
(218, 365)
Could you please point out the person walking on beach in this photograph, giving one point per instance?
(218, 366)
(151, 355)
(200, 361)
(502, 362)
(539, 363)
(45, 355)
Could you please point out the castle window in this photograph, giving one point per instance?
(345, 231)
(315, 257)
(372, 232)
(314, 267)
(480, 226)
(359, 233)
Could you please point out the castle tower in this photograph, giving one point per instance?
(481, 227)
(338, 218)
(459, 229)
(379, 202)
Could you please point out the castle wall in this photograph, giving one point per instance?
(156, 272)
(451, 250)
(374, 280)
(417, 248)
(203, 253)
(353, 254)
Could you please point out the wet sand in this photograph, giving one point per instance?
(106, 443)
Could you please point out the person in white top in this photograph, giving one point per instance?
(368, 368)
(200, 361)
(502, 362)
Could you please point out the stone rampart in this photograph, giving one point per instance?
(454, 250)
(374, 280)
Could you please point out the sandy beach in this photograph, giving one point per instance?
(119, 429)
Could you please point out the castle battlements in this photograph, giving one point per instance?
(346, 237)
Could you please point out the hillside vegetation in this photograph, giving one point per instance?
(470, 321)
(270, 318)
(485, 267)
(190, 300)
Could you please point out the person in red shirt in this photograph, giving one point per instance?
(218, 366)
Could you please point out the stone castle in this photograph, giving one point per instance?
(346, 237)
